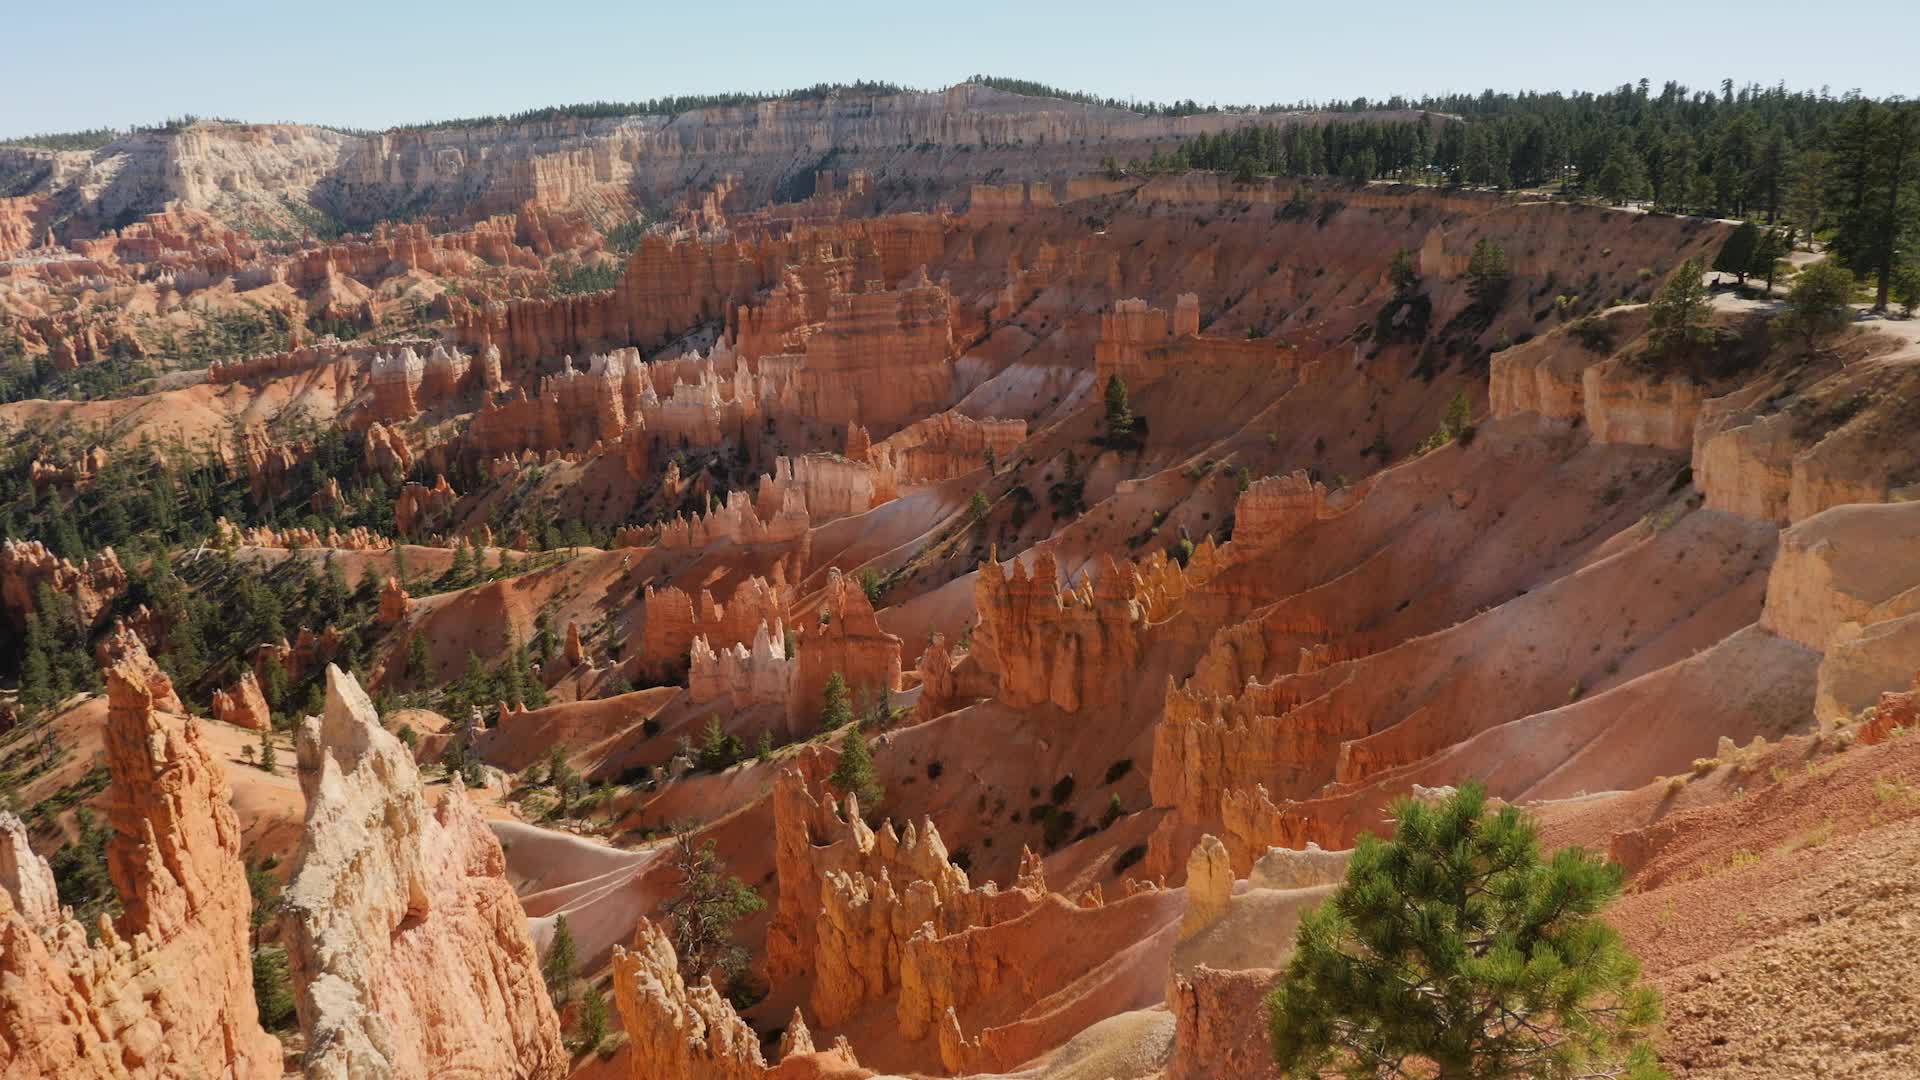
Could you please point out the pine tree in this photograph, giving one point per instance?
(1678, 318)
(1806, 197)
(1119, 417)
(1624, 177)
(418, 659)
(269, 752)
(1454, 950)
(717, 748)
(461, 571)
(330, 598)
(557, 967)
(702, 914)
(476, 685)
(1767, 253)
(854, 773)
(1906, 288)
(1488, 274)
(1817, 305)
(1459, 418)
(37, 681)
(1736, 255)
(272, 989)
(1400, 272)
(836, 709)
(592, 1018)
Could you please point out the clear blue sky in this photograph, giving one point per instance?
(75, 64)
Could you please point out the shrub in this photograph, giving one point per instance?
(1062, 790)
(1119, 769)
(1058, 826)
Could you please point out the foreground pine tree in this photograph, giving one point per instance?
(1454, 951)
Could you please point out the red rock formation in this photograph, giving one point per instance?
(881, 358)
(1897, 711)
(741, 675)
(1133, 331)
(91, 584)
(1045, 644)
(1209, 886)
(26, 877)
(409, 951)
(1274, 508)
(394, 603)
(1220, 1024)
(671, 621)
(828, 485)
(677, 1030)
(947, 445)
(168, 991)
(78, 473)
(122, 647)
(733, 522)
(850, 899)
(387, 452)
(573, 653)
(396, 381)
(357, 538)
(244, 705)
(418, 507)
(847, 640)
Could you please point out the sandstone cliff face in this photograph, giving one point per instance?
(1837, 566)
(168, 991)
(244, 705)
(741, 675)
(91, 584)
(409, 951)
(418, 508)
(26, 877)
(1792, 443)
(1209, 886)
(1219, 1024)
(848, 640)
(250, 171)
(677, 1030)
(1046, 644)
(1133, 331)
(851, 900)
(1846, 584)
(947, 445)
(671, 620)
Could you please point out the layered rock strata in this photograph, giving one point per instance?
(409, 951)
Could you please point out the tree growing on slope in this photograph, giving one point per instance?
(1678, 318)
(1455, 950)
(1488, 274)
(854, 773)
(557, 967)
(1119, 417)
(701, 916)
(836, 709)
(1816, 307)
